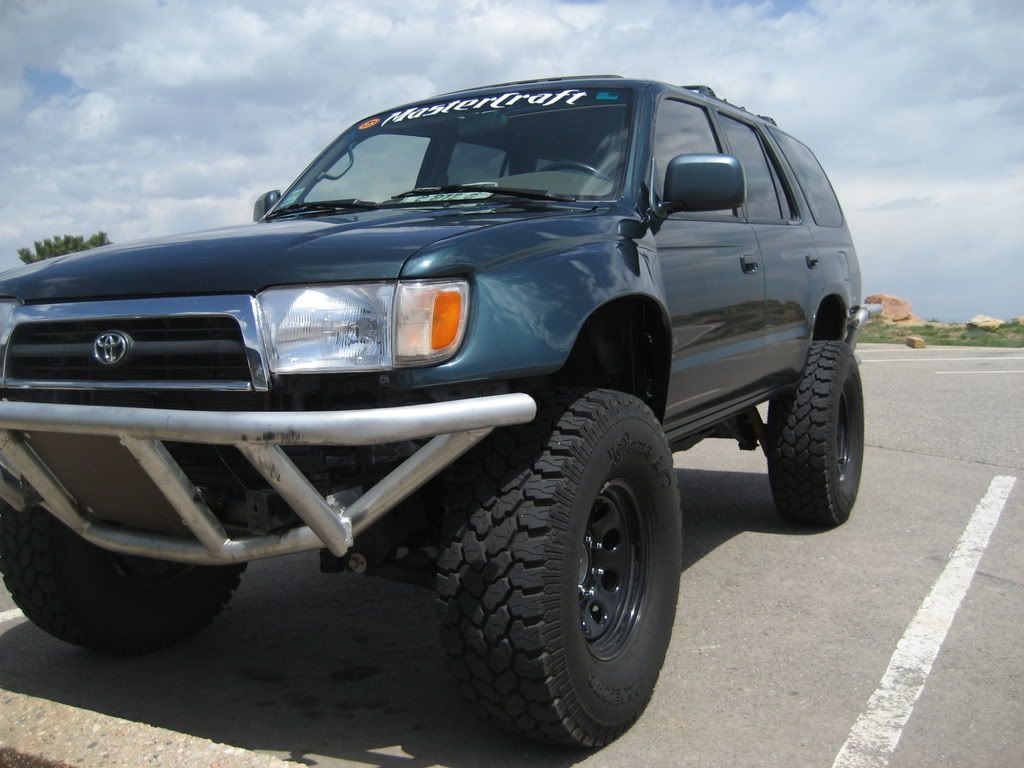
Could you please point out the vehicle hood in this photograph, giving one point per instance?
(361, 246)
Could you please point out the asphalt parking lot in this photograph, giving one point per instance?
(782, 642)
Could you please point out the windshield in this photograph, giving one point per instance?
(570, 143)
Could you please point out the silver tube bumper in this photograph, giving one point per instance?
(453, 427)
(857, 320)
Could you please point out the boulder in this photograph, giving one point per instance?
(893, 307)
(985, 322)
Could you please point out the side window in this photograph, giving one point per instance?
(680, 128)
(813, 181)
(373, 169)
(474, 162)
(782, 189)
(762, 200)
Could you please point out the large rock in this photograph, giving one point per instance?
(985, 322)
(1018, 320)
(893, 307)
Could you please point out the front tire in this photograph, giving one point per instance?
(88, 596)
(817, 439)
(561, 570)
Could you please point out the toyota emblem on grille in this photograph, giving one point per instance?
(111, 347)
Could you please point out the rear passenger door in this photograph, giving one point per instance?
(836, 272)
(787, 249)
(714, 286)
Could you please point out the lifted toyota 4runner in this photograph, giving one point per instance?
(459, 350)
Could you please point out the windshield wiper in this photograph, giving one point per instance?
(530, 194)
(323, 205)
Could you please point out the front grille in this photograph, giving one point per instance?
(201, 349)
(187, 400)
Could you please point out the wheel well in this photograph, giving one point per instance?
(830, 320)
(623, 345)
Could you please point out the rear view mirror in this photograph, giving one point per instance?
(703, 183)
(264, 203)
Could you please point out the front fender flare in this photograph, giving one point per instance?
(526, 315)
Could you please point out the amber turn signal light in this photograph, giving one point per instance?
(431, 318)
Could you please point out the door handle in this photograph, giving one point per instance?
(811, 259)
(750, 263)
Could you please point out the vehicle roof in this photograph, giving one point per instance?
(697, 92)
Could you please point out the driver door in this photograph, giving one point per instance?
(714, 285)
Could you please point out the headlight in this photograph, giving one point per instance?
(7, 308)
(431, 320)
(328, 327)
(335, 328)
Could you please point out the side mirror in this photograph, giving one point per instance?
(703, 183)
(264, 203)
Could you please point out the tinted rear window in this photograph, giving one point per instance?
(813, 181)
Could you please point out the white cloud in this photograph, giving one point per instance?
(181, 113)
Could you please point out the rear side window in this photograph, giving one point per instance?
(681, 128)
(813, 181)
(762, 201)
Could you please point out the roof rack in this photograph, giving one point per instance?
(706, 91)
(703, 90)
(537, 80)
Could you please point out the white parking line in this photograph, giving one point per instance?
(940, 359)
(880, 350)
(10, 615)
(972, 373)
(877, 731)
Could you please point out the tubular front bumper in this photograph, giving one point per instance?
(453, 427)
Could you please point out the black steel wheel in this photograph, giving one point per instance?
(816, 450)
(560, 572)
(613, 561)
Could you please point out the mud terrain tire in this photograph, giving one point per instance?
(561, 570)
(91, 597)
(817, 439)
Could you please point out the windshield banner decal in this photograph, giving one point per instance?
(500, 101)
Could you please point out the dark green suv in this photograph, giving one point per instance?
(460, 350)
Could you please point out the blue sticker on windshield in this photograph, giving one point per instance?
(292, 196)
(605, 96)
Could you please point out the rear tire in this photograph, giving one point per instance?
(88, 596)
(817, 439)
(561, 570)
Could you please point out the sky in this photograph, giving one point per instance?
(144, 118)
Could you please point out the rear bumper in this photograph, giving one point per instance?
(453, 427)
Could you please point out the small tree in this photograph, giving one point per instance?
(60, 245)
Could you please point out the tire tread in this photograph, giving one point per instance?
(799, 459)
(507, 516)
(31, 544)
